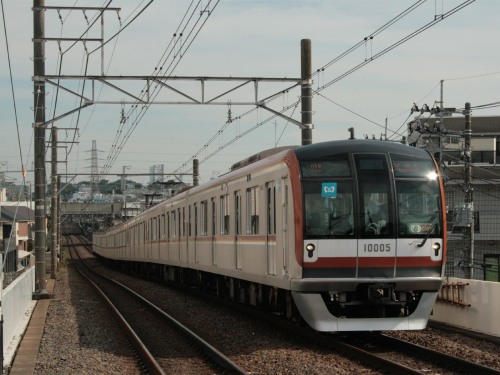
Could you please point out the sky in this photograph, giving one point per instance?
(237, 38)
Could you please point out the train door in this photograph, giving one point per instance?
(184, 247)
(284, 224)
(156, 238)
(146, 239)
(179, 233)
(271, 227)
(161, 242)
(213, 231)
(195, 232)
(237, 228)
(376, 253)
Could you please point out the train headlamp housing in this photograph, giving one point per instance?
(436, 246)
(310, 247)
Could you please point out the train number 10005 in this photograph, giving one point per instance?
(377, 247)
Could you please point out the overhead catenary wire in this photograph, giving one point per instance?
(76, 133)
(120, 137)
(376, 56)
(183, 45)
(23, 169)
(126, 131)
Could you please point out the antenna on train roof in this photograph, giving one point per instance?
(351, 130)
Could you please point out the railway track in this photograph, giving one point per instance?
(425, 358)
(159, 339)
(375, 350)
(380, 353)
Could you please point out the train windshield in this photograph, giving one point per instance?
(377, 198)
(418, 202)
(328, 197)
(328, 214)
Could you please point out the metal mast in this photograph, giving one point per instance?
(468, 198)
(39, 144)
(306, 90)
(94, 171)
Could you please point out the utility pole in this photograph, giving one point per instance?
(59, 231)
(468, 197)
(306, 90)
(53, 205)
(39, 145)
(196, 172)
(124, 186)
(385, 128)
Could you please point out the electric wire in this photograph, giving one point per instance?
(398, 43)
(119, 134)
(351, 111)
(183, 45)
(381, 53)
(125, 136)
(115, 36)
(18, 136)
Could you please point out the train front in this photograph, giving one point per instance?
(371, 237)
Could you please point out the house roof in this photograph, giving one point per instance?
(23, 213)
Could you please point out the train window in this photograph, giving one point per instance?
(174, 224)
(183, 221)
(418, 208)
(204, 218)
(271, 207)
(224, 214)
(374, 193)
(325, 215)
(410, 166)
(189, 221)
(168, 225)
(214, 217)
(154, 228)
(195, 220)
(161, 225)
(252, 211)
(179, 222)
(237, 212)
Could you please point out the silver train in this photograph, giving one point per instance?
(347, 235)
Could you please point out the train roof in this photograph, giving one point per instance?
(259, 156)
(323, 149)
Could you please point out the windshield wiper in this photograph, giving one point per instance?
(434, 215)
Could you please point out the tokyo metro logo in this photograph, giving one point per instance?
(329, 189)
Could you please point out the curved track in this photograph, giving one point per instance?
(142, 321)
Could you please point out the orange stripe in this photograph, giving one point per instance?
(296, 191)
(417, 262)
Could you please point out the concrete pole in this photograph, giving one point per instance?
(196, 172)
(39, 145)
(59, 231)
(53, 205)
(469, 197)
(306, 90)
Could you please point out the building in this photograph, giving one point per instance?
(156, 172)
(16, 233)
(478, 252)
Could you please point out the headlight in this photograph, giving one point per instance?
(436, 246)
(310, 247)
